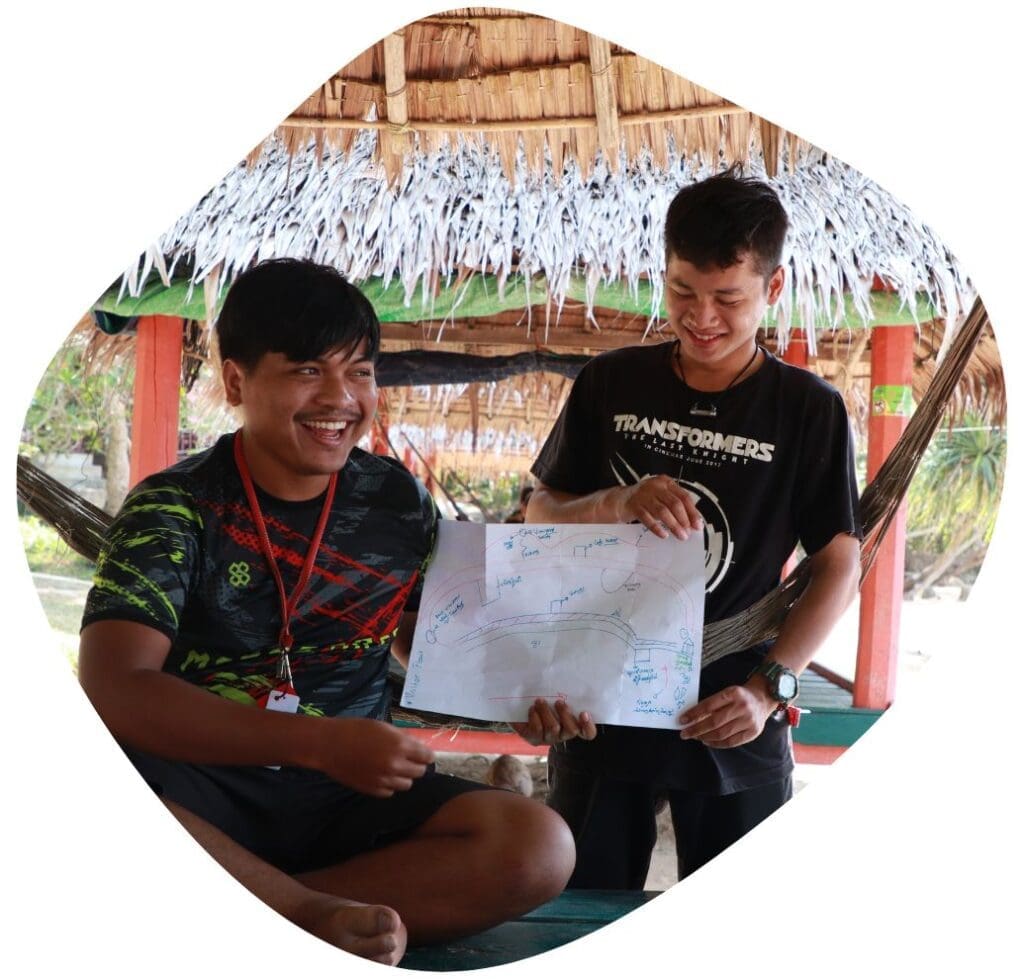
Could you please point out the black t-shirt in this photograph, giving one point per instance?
(772, 467)
(183, 556)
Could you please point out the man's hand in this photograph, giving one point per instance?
(661, 505)
(372, 757)
(547, 725)
(731, 717)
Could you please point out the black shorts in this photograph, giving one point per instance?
(296, 819)
(614, 824)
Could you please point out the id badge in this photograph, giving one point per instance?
(283, 699)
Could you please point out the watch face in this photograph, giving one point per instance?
(786, 686)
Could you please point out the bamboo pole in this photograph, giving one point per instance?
(602, 78)
(396, 138)
(513, 125)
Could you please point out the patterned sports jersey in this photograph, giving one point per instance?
(184, 557)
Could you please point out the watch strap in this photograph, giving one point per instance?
(771, 671)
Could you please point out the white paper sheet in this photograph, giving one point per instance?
(607, 617)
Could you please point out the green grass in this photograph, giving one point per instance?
(63, 601)
(46, 552)
(61, 578)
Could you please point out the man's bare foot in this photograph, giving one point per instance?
(508, 772)
(371, 931)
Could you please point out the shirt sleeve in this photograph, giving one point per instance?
(145, 566)
(826, 503)
(569, 460)
(430, 518)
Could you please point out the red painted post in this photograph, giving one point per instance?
(796, 349)
(158, 347)
(816, 754)
(796, 354)
(881, 596)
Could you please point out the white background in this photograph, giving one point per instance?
(118, 116)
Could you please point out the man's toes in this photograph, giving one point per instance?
(381, 948)
(372, 920)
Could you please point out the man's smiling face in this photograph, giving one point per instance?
(715, 312)
(302, 418)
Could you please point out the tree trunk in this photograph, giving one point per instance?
(117, 451)
(939, 567)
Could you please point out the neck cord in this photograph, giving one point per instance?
(711, 410)
(289, 603)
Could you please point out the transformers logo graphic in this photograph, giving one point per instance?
(718, 542)
(717, 539)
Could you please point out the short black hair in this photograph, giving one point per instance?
(714, 222)
(297, 308)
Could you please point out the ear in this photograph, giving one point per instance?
(232, 375)
(775, 284)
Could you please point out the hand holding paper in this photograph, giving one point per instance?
(550, 723)
(606, 618)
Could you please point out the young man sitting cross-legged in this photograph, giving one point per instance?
(236, 643)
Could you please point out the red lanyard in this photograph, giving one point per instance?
(289, 603)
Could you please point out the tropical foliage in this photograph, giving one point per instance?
(47, 553)
(496, 496)
(953, 503)
(71, 405)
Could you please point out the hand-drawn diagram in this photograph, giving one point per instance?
(606, 617)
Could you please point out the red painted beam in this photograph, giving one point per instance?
(494, 743)
(475, 742)
(157, 391)
(881, 597)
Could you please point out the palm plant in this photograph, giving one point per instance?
(954, 498)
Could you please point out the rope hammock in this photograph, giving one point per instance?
(83, 526)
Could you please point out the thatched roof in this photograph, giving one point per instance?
(481, 142)
(498, 181)
(455, 214)
(515, 80)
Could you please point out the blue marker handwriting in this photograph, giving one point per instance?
(557, 603)
(445, 615)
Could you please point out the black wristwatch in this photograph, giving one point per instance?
(782, 682)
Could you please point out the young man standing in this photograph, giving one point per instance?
(707, 434)
(236, 644)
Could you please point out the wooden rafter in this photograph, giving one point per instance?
(413, 77)
(514, 125)
(463, 332)
(474, 412)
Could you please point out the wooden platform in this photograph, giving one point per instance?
(832, 724)
(833, 721)
(569, 916)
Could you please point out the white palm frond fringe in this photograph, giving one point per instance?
(455, 211)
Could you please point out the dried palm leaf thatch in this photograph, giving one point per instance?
(982, 389)
(83, 526)
(515, 81)
(455, 214)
